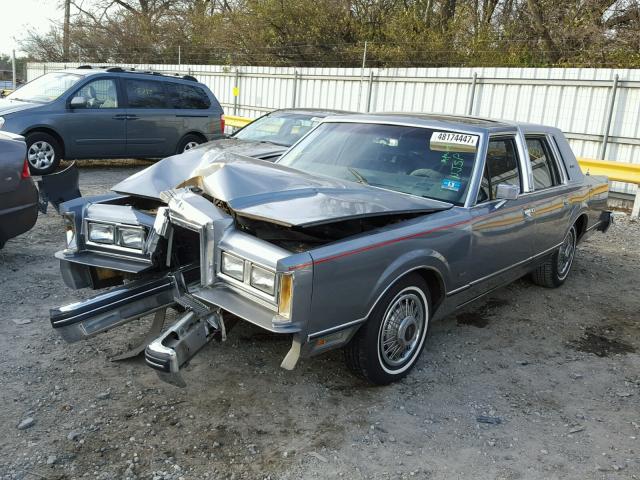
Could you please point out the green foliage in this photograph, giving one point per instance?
(399, 33)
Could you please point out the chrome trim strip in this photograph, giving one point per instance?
(337, 328)
(487, 277)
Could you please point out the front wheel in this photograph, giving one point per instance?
(553, 272)
(388, 346)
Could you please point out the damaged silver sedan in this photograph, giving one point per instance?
(360, 236)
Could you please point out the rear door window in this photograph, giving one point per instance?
(188, 97)
(543, 164)
(146, 94)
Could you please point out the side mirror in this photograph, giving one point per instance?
(505, 191)
(78, 102)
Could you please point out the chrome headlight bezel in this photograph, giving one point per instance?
(115, 245)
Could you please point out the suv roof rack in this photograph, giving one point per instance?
(190, 78)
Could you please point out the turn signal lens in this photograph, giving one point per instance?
(286, 295)
(69, 219)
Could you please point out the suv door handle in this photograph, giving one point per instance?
(120, 116)
(528, 212)
(132, 117)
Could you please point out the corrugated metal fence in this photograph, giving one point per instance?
(598, 109)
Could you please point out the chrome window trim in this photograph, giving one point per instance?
(554, 158)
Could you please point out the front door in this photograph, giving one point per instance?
(153, 129)
(502, 230)
(97, 130)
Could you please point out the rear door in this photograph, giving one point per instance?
(99, 129)
(192, 107)
(152, 127)
(550, 194)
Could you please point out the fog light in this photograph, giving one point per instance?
(263, 280)
(101, 233)
(131, 237)
(232, 266)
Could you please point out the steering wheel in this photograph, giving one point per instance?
(424, 172)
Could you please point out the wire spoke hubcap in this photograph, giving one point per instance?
(401, 329)
(41, 155)
(566, 253)
(190, 145)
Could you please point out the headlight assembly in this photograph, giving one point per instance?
(263, 280)
(101, 233)
(232, 266)
(131, 237)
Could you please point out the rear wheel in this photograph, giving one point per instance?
(388, 346)
(43, 153)
(555, 270)
(188, 142)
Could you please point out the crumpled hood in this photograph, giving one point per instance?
(266, 191)
(167, 173)
(13, 106)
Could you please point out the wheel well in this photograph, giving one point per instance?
(436, 286)
(197, 134)
(49, 131)
(581, 225)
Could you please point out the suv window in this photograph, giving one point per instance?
(501, 166)
(100, 93)
(543, 164)
(146, 94)
(188, 97)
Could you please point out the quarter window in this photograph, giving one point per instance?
(543, 165)
(146, 94)
(100, 94)
(188, 97)
(501, 167)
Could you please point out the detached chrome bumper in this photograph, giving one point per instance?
(98, 314)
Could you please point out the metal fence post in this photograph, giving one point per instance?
(295, 88)
(369, 91)
(13, 68)
(607, 128)
(235, 97)
(472, 94)
(635, 211)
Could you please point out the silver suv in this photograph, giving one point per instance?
(110, 113)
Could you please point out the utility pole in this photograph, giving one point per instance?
(66, 41)
(364, 63)
(13, 68)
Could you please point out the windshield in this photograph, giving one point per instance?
(278, 127)
(420, 161)
(46, 88)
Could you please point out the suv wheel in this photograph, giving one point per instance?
(553, 272)
(188, 142)
(43, 153)
(388, 346)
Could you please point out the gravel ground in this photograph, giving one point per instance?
(530, 383)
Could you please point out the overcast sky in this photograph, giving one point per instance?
(17, 16)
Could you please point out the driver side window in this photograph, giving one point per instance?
(100, 94)
(501, 166)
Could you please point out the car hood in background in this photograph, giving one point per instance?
(8, 106)
(266, 191)
(167, 173)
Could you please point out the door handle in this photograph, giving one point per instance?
(132, 117)
(120, 116)
(528, 212)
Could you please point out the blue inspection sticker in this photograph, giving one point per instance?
(448, 184)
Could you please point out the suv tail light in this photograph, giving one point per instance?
(25, 170)
(222, 124)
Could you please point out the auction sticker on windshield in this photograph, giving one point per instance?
(453, 142)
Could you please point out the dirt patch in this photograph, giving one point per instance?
(479, 317)
(593, 341)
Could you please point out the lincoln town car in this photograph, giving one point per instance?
(365, 232)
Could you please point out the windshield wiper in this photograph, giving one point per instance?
(358, 175)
